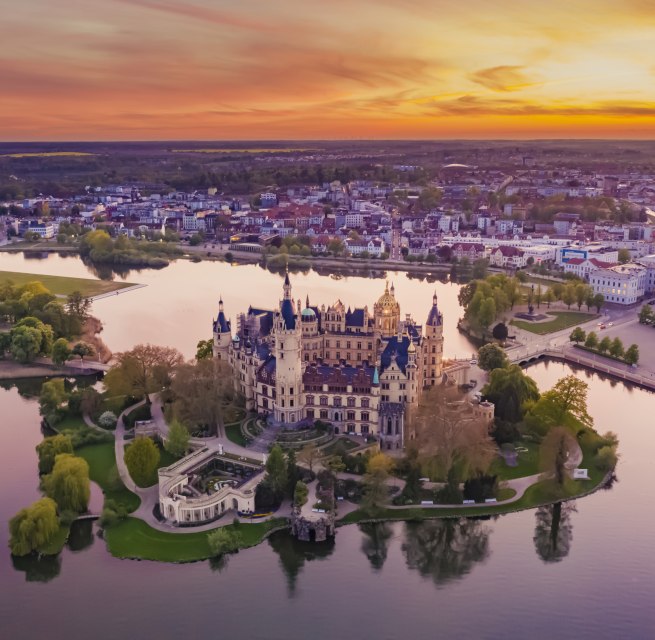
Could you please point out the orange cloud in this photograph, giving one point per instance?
(502, 78)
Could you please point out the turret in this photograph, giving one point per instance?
(433, 345)
(222, 333)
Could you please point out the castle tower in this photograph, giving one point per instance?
(287, 333)
(222, 334)
(386, 314)
(412, 373)
(433, 346)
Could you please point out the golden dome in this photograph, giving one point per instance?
(387, 303)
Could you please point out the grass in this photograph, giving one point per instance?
(234, 434)
(103, 471)
(47, 154)
(562, 320)
(56, 543)
(70, 425)
(528, 463)
(340, 444)
(133, 538)
(63, 286)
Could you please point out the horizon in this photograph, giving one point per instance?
(158, 70)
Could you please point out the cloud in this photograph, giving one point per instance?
(502, 78)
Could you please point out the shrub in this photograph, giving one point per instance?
(481, 487)
(606, 458)
(222, 541)
(300, 494)
(107, 420)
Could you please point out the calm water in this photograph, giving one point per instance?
(468, 579)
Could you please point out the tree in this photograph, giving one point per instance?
(177, 442)
(142, 460)
(107, 420)
(68, 484)
(592, 340)
(569, 295)
(52, 400)
(604, 345)
(500, 332)
(624, 256)
(82, 350)
(569, 396)
(445, 436)
(554, 451)
(646, 314)
(308, 455)
(377, 473)
(45, 332)
(549, 297)
(203, 391)
(599, 301)
(632, 354)
(25, 343)
(335, 246)
(553, 531)
(300, 494)
(276, 471)
(60, 351)
(204, 349)
(479, 270)
(78, 306)
(487, 313)
(510, 389)
(224, 540)
(578, 335)
(491, 356)
(49, 448)
(141, 371)
(616, 348)
(538, 296)
(33, 527)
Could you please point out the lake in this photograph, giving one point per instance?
(496, 578)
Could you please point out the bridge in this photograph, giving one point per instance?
(525, 357)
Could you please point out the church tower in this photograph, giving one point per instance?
(287, 333)
(433, 346)
(222, 333)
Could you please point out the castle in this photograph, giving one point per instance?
(357, 370)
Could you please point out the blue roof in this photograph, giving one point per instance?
(222, 323)
(286, 309)
(355, 318)
(396, 350)
(434, 317)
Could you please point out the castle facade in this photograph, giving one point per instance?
(358, 370)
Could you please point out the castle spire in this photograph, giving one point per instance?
(287, 285)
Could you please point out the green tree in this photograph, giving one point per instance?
(45, 330)
(68, 484)
(25, 343)
(177, 443)
(60, 351)
(599, 301)
(510, 390)
(479, 270)
(33, 527)
(78, 306)
(204, 349)
(549, 297)
(616, 348)
(592, 340)
(142, 460)
(52, 400)
(604, 345)
(632, 354)
(569, 295)
(376, 492)
(624, 256)
(300, 494)
(487, 313)
(581, 292)
(491, 356)
(578, 335)
(646, 314)
(569, 396)
(276, 470)
(500, 332)
(224, 540)
(82, 350)
(49, 448)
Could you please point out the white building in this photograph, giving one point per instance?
(623, 284)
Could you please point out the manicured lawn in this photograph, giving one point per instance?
(562, 320)
(234, 434)
(71, 424)
(63, 286)
(528, 463)
(343, 444)
(103, 471)
(133, 538)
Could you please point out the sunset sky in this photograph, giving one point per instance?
(310, 69)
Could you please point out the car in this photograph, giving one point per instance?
(602, 326)
(610, 324)
(652, 302)
(473, 361)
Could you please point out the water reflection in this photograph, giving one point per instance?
(447, 549)
(375, 542)
(38, 568)
(553, 532)
(81, 535)
(294, 553)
